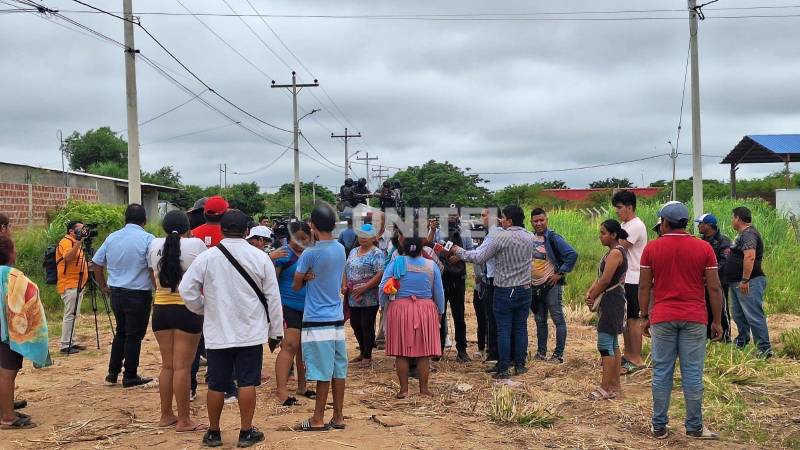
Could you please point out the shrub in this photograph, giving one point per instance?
(512, 407)
(791, 343)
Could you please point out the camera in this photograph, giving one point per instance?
(280, 230)
(88, 231)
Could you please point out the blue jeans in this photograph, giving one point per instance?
(748, 313)
(550, 302)
(511, 307)
(685, 341)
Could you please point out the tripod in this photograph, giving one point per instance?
(91, 288)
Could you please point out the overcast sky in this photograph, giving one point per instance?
(493, 96)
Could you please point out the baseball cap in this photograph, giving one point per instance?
(674, 212)
(707, 218)
(199, 204)
(657, 226)
(366, 231)
(259, 231)
(216, 206)
(234, 220)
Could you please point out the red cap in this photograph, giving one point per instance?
(216, 205)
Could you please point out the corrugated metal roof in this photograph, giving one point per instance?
(765, 148)
(778, 143)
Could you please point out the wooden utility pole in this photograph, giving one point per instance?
(346, 138)
(367, 159)
(378, 173)
(294, 88)
(134, 171)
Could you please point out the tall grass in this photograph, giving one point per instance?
(781, 257)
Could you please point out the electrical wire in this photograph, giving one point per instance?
(191, 133)
(180, 63)
(268, 165)
(319, 153)
(594, 166)
(260, 39)
(141, 124)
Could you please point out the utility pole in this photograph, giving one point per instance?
(61, 149)
(134, 171)
(346, 137)
(697, 163)
(294, 88)
(378, 173)
(314, 190)
(367, 159)
(673, 154)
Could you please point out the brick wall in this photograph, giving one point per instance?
(28, 204)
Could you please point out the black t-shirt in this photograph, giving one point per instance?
(749, 239)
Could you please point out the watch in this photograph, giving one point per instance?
(745, 280)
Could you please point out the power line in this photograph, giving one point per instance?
(191, 133)
(167, 111)
(318, 152)
(180, 63)
(594, 166)
(268, 165)
(260, 39)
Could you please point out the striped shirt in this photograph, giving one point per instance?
(512, 250)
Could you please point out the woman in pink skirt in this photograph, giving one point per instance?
(412, 312)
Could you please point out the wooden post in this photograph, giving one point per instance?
(733, 180)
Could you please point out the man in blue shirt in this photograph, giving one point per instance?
(124, 255)
(322, 337)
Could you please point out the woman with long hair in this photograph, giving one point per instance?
(176, 328)
(609, 290)
(293, 303)
(362, 274)
(414, 302)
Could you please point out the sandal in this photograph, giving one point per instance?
(197, 427)
(20, 423)
(309, 394)
(290, 401)
(23, 415)
(601, 394)
(306, 426)
(336, 426)
(19, 404)
(630, 368)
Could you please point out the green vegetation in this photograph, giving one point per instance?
(790, 340)
(440, 184)
(282, 201)
(510, 407)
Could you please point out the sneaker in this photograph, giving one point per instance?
(133, 382)
(192, 396)
(463, 357)
(660, 433)
(703, 433)
(110, 379)
(520, 371)
(231, 398)
(78, 347)
(504, 375)
(212, 438)
(248, 438)
(556, 359)
(69, 351)
(540, 357)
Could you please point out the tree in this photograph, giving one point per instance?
(440, 184)
(518, 194)
(553, 184)
(611, 183)
(109, 169)
(245, 197)
(165, 176)
(95, 146)
(282, 201)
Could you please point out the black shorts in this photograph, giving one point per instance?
(244, 362)
(176, 317)
(632, 297)
(9, 359)
(292, 318)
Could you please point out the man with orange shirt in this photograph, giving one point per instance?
(73, 272)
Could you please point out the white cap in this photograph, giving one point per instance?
(259, 231)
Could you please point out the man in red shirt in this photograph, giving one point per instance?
(211, 232)
(678, 268)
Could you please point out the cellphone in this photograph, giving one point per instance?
(448, 245)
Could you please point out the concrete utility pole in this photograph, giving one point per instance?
(367, 159)
(314, 190)
(673, 154)
(134, 171)
(378, 173)
(346, 154)
(294, 88)
(697, 160)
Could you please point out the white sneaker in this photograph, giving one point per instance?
(192, 396)
(231, 399)
(704, 434)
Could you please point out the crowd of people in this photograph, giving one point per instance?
(219, 286)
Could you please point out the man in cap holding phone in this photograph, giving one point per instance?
(709, 232)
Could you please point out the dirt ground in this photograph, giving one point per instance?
(75, 410)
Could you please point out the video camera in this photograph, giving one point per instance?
(88, 231)
(280, 229)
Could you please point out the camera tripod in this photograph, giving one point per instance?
(91, 288)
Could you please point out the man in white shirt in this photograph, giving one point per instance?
(625, 204)
(236, 323)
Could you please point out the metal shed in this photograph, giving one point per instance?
(761, 149)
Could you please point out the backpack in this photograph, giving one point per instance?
(50, 265)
